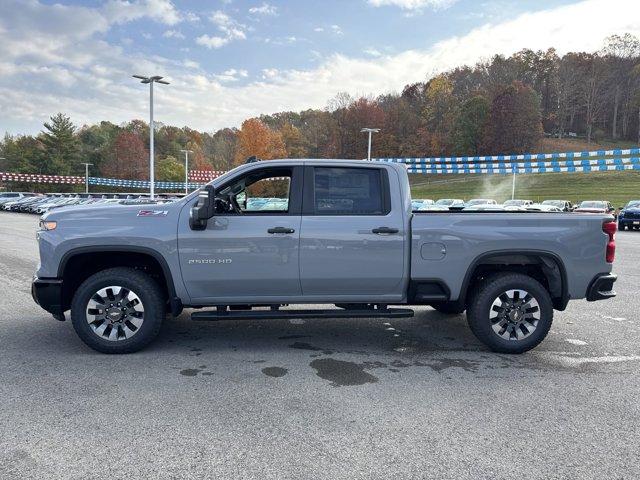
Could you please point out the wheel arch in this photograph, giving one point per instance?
(79, 263)
(540, 264)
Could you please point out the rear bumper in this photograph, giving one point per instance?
(601, 287)
(47, 292)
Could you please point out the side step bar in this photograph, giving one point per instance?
(276, 314)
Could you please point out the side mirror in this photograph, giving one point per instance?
(204, 209)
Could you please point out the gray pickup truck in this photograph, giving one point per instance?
(270, 235)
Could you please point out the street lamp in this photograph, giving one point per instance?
(186, 170)
(86, 176)
(369, 131)
(513, 181)
(151, 81)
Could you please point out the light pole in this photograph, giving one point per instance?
(186, 170)
(513, 183)
(151, 81)
(86, 176)
(369, 131)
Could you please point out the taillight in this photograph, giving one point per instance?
(610, 229)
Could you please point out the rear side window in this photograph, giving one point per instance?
(350, 191)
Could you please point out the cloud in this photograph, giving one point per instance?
(121, 11)
(413, 4)
(336, 29)
(43, 70)
(264, 9)
(173, 34)
(231, 75)
(229, 30)
(372, 52)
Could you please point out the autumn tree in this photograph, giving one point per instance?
(469, 126)
(168, 169)
(255, 138)
(439, 113)
(294, 142)
(514, 124)
(129, 158)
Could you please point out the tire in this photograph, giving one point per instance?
(449, 308)
(516, 326)
(129, 294)
(621, 226)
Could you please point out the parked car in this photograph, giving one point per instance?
(517, 203)
(348, 238)
(481, 201)
(450, 202)
(13, 196)
(433, 208)
(418, 203)
(541, 207)
(629, 216)
(564, 205)
(595, 206)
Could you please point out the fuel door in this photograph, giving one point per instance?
(433, 251)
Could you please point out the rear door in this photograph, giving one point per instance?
(352, 233)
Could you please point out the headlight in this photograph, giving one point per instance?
(48, 225)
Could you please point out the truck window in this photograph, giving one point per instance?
(264, 191)
(349, 191)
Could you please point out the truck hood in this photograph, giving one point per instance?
(112, 214)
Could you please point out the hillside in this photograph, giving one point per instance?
(616, 187)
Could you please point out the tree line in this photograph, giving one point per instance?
(499, 106)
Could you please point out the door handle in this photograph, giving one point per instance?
(280, 230)
(384, 230)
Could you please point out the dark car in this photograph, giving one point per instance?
(629, 216)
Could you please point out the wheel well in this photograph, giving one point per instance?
(81, 266)
(545, 268)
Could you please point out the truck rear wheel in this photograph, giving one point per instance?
(119, 310)
(510, 313)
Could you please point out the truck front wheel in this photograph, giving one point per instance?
(119, 310)
(510, 313)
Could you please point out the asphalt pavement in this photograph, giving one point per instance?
(318, 399)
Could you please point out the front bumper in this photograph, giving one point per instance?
(601, 287)
(47, 292)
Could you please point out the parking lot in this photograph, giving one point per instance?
(410, 398)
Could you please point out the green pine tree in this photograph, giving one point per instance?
(61, 146)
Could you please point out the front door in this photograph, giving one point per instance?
(250, 249)
(352, 240)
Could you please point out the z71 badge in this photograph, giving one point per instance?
(152, 213)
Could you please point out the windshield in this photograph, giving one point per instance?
(514, 203)
(555, 203)
(446, 201)
(633, 203)
(591, 204)
(480, 201)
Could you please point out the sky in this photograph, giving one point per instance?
(229, 60)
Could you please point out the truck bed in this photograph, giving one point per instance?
(445, 246)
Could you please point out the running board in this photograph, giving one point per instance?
(276, 314)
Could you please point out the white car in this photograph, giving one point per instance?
(540, 207)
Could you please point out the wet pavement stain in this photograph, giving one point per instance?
(275, 372)
(292, 337)
(304, 346)
(442, 364)
(190, 372)
(342, 374)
